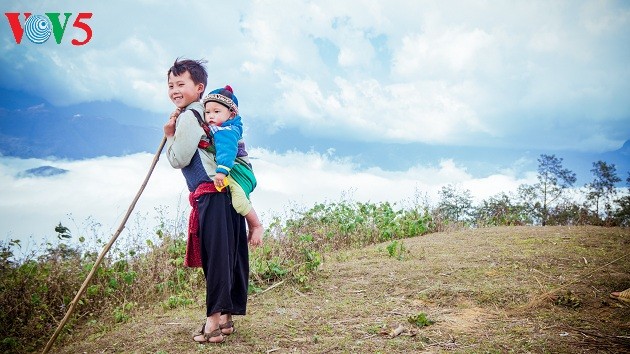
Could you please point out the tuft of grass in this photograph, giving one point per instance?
(396, 249)
(569, 300)
(420, 320)
(175, 301)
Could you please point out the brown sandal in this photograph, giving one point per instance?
(227, 325)
(208, 336)
(619, 295)
(202, 330)
(214, 334)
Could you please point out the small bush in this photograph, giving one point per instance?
(35, 292)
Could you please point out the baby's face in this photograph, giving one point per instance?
(216, 113)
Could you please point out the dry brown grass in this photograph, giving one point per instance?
(496, 290)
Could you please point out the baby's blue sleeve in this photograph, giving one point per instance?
(226, 143)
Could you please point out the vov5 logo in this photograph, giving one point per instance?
(38, 28)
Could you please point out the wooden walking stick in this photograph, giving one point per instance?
(105, 250)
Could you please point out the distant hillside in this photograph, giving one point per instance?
(121, 113)
(42, 171)
(31, 127)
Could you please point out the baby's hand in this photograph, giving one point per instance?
(219, 181)
(169, 127)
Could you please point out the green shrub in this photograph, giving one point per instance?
(293, 250)
(35, 292)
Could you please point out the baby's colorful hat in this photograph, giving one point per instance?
(224, 96)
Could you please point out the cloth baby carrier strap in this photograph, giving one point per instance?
(205, 143)
(199, 118)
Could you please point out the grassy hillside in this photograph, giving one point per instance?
(495, 290)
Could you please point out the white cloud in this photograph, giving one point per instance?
(442, 54)
(604, 17)
(449, 72)
(425, 112)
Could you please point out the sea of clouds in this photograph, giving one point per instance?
(100, 190)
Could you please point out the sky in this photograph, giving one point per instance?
(496, 74)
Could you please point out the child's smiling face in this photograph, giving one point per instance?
(216, 113)
(182, 90)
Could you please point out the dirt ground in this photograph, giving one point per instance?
(494, 290)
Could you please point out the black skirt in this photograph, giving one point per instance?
(224, 254)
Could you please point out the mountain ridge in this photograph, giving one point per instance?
(33, 128)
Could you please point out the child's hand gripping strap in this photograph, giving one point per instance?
(226, 182)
